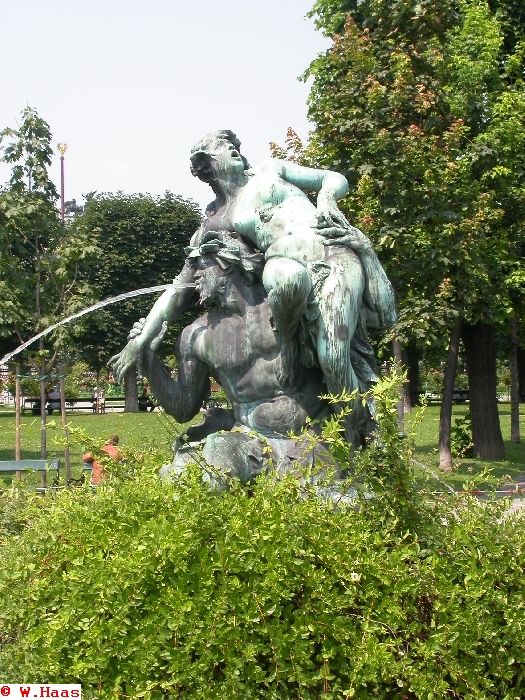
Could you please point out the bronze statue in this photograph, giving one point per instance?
(324, 283)
(234, 343)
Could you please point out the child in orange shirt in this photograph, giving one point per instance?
(112, 450)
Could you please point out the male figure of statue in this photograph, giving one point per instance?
(235, 343)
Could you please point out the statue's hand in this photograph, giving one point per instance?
(352, 238)
(328, 214)
(333, 226)
(129, 356)
(132, 353)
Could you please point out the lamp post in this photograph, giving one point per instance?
(62, 147)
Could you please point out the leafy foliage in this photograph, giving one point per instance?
(144, 589)
(39, 258)
(461, 437)
(141, 240)
(410, 104)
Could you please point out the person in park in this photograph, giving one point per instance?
(99, 400)
(235, 343)
(54, 400)
(145, 401)
(111, 449)
(321, 274)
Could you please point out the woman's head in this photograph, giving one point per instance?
(217, 154)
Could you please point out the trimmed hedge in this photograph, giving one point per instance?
(162, 591)
(151, 590)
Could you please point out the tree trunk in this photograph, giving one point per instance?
(96, 405)
(407, 398)
(445, 416)
(64, 420)
(411, 358)
(514, 390)
(18, 442)
(480, 347)
(43, 402)
(521, 373)
(43, 393)
(131, 404)
(398, 368)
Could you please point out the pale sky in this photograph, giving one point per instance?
(131, 85)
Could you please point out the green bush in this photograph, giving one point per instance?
(151, 590)
(29, 387)
(461, 437)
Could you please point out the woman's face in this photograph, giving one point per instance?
(230, 156)
(223, 162)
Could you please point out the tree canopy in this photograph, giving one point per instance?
(141, 240)
(420, 105)
(39, 258)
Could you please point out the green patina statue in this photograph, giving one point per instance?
(321, 281)
(235, 344)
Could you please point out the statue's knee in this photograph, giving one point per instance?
(235, 454)
(285, 273)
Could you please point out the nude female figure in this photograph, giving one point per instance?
(316, 264)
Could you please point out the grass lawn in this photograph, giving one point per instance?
(137, 430)
(143, 430)
(427, 447)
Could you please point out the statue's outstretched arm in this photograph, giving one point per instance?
(166, 309)
(330, 185)
(183, 398)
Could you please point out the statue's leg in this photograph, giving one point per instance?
(221, 456)
(234, 454)
(339, 301)
(288, 285)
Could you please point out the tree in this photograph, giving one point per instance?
(39, 259)
(409, 104)
(142, 241)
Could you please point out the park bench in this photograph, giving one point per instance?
(38, 465)
(432, 398)
(77, 404)
(88, 404)
(28, 403)
(113, 402)
(215, 403)
(458, 396)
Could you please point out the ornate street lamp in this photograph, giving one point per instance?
(62, 147)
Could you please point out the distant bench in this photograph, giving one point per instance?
(72, 404)
(76, 404)
(38, 465)
(458, 396)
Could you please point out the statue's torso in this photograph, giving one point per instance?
(243, 355)
(274, 215)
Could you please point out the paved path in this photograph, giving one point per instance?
(516, 491)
